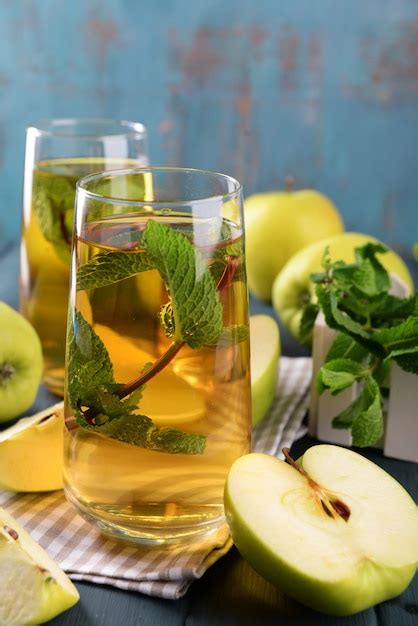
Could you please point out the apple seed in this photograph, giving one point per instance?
(11, 531)
(332, 506)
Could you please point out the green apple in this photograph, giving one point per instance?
(265, 353)
(20, 363)
(333, 530)
(293, 289)
(33, 588)
(277, 225)
(31, 452)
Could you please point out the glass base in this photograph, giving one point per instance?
(147, 527)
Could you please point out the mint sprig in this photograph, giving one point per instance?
(91, 387)
(373, 328)
(193, 316)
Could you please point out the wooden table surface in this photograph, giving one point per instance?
(230, 593)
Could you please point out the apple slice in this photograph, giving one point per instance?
(33, 588)
(31, 452)
(265, 352)
(333, 531)
(180, 404)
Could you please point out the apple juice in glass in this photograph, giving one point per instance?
(157, 397)
(58, 153)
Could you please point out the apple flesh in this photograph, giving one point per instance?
(21, 363)
(265, 353)
(33, 588)
(31, 452)
(277, 225)
(293, 289)
(334, 531)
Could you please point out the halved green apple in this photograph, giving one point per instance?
(31, 452)
(334, 530)
(265, 353)
(33, 588)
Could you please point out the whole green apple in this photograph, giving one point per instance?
(265, 354)
(293, 289)
(277, 225)
(33, 588)
(21, 363)
(334, 531)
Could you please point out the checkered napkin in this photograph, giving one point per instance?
(86, 555)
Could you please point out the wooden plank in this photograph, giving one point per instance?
(106, 606)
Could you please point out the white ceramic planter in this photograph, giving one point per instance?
(400, 411)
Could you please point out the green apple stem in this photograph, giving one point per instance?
(330, 504)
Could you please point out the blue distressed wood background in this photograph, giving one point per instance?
(325, 90)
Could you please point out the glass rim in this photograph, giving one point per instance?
(56, 127)
(225, 197)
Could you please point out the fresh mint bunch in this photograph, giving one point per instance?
(373, 328)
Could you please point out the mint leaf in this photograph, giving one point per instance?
(140, 430)
(367, 427)
(107, 268)
(342, 319)
(363, 415)
(89, 367)
(307, 322)
(339, 374)
(53, 203)
(399, 337)
(381, 281)
(197, 309)
(91, 387)
(345, 347)
(390, 310)
(406, 358)
(346, 418)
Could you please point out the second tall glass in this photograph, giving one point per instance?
(58, 153)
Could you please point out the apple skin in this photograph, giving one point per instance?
(31, 459)
(370, 584)
(21, 348)
(277, 225)
(263, 387)
(293, 289)
(34, 588)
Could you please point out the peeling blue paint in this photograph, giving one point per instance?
(325, 91)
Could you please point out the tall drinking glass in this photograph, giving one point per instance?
(58, 153)
(158, 374)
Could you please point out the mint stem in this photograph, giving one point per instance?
(157, 367)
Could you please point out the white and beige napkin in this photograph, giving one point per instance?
(86, 555)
